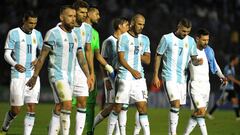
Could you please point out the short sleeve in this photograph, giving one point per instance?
(193, 51)
(88, 29)
(123, 43)
(50, 39)
(10, 40)
(40, 40)
(162, 46)
(146, 46)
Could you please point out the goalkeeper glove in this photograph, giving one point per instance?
(110, 71)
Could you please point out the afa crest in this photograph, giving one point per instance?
(34, 41)
(83, 33)
(186, 45)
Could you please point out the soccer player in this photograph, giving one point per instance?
(130, 82)
(93, 18)
(62, 45)
(199, 86)
(175, 49)
(80, 86)
(229, 93)
(109, 53)
(145, 59)
(20, 52)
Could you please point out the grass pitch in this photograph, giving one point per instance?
(223, 124)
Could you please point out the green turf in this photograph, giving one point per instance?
(223, 124)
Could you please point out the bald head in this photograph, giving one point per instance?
(137, 17)
(137, 24)
(93, 15)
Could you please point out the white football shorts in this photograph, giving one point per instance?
(175, 91)
(20, 92)
(134, 90)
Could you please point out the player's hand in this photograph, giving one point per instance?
(31, 82)
(90, 83)
(224, 81)
(20, 68)
(33, 63)
(200, 61)
(110, 70)
(92, 77)
(107, 84)
(156, 82)
(136, 74)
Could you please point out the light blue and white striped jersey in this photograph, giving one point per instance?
(229, 71)
(109, 51)
(24, 48)
(144, 44)
(176, 53)
(132, 54)
(64, 46)
(84, 35)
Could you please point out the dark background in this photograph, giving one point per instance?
(220, 17)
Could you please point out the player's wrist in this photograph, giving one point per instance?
(109, 68)
(34, 76)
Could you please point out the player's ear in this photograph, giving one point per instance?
(131, 24)
(61, 17)
(24, 20)
(197, 38)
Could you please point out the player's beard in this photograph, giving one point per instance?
(68, 27)
(79, 22)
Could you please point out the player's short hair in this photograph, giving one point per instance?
(233, 57)
(136, 16)
(80, 4)
(28, 14)
(119, 21)
(202, 32)
(64, 7)
(92, 8)
(185, 22)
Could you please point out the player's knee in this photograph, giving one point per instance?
(201, 112)
(31, 107)
(117, 108)
(142, 109)
(175, 103)
(57, 108)
(16, 110)
(67, 105)
(82, 104)
(234, 101)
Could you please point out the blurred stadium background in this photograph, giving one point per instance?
(221, 17)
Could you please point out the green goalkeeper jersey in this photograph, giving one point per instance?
(95, 40)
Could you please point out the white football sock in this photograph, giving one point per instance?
(54, 126)
(29, 123)
(174, 115)
(191, 125)
(80, 120)
(65, 121)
